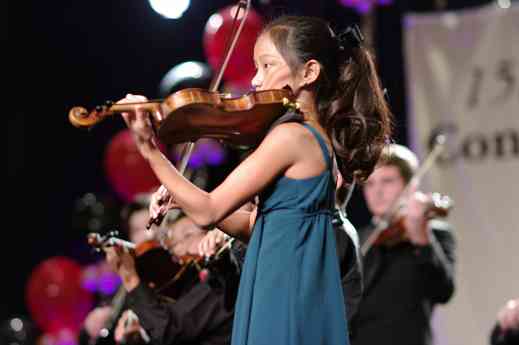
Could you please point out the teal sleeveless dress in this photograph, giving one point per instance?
(290, 291)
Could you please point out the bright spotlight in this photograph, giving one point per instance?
(214, 23)
(503, 4)
(190, 72)
(173, 9)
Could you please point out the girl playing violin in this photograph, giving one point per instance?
(290, 290)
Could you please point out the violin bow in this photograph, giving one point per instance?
(215, 83)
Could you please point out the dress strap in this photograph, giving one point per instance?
(322, 144)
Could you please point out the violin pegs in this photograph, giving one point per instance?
(113, 233)
(294, 106)
(98, 108)
(109, 103)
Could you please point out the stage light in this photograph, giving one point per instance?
(364, 6)
(188, 72)
(16, 324)
(503, 4)
(172, 9)
(214, 23)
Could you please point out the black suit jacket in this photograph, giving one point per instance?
(401, 286)
(350, 264)
(501, 337)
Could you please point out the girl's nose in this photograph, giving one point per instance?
(255, 82)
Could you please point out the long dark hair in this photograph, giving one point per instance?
(350, 100)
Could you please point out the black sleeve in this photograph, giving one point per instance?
(500, 337)
(437, 261)
(352, 288)
(83, 337)
(200, 311)
(349, 265)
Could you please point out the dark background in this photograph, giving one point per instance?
(59, 54)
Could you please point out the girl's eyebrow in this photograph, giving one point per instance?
(266, 55)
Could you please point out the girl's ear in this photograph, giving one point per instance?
(310, 72)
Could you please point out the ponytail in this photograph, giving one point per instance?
(357, 117)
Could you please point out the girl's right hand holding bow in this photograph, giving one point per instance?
(160, 203)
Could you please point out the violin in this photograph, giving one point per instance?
(194, 113)
(438, 207)
(152, 262)
(156, 267)
(203, 268)
(147, 254)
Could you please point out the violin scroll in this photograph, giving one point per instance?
(80, 118)
(98, 242)
(95, 240)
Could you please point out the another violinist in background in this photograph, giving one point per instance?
(100, 321)
(203, 311)
(408, 273)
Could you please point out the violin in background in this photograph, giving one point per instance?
(160, 270)
(438, 206)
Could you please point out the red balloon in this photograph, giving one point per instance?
(128, 172)
(240, 69)
(54, 295)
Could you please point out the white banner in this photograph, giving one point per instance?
(463, 80)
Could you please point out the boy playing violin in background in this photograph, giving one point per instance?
(134, 217)
(201, 310)
(404, 280)
(202, 313)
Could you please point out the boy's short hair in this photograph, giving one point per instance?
(400, 157)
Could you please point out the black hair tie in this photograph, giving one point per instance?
(351, 37)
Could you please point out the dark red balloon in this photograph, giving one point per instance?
(127, 171)
(240, 69)
(54, 295)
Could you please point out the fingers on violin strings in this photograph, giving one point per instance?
(133, 97)
(204, 248)
(128, 118)
(219, 238)
(201, 248)
(212, 244)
